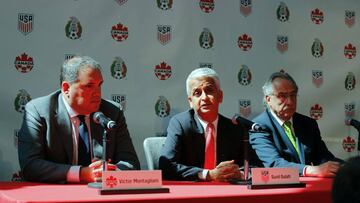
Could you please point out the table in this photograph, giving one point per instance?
(316, 190)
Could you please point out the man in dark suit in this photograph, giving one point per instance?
(295, 139)
(58, 139)
(201, 144)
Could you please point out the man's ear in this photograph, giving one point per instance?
(65, 88)
(190, 102)
(221, 94)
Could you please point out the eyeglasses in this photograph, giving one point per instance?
(284, 96)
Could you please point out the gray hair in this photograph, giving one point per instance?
(71, 67)
(268, 86)
(202, 73)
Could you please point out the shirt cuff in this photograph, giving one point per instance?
(304, 171)
(73, 175)
(203, 174)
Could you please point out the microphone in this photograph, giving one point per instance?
(104, 121)
(353, 122)
(255, 127)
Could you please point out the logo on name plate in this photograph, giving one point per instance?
(348, 144)
(111, 181)
(317, 77)
(73, 29)
(21, 99)
(350, 81)
(162, 107)
(350, 109)
(316, 112)
(349, 51)
(207, 6)
(25, 23)
(164, 4)
(24, 63)
(245, 7)
(245, 107)
(244, 75)
(349, 18)
(245, 42)
(164, 34)
(119, 32)
(265, 176)
(282, 12)
(317, 16)
(118, 68)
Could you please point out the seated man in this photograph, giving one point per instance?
(295, 140)
(201, 144)
(58, 138)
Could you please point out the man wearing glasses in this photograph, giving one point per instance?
(295, 139)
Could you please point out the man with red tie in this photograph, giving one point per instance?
(201, 144)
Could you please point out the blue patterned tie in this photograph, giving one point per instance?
(84, 157)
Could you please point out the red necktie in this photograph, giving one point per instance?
(210, 147)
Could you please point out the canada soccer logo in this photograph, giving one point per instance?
(317, 16)
(207, 5)
(245, 42)
(350, 81)
(162, 107)
(348, 144)
(162, 71)
(244, 75)
(24, 63)
(164, 4)
(73, 29)
(349, 18)
(22, 98)
(118, 68)
(349, 51)
(317, 48)
(111, 181)
(206, 39)
(245, 7)
(349, 109)
(282, 12)
(317, 77)
(25, 23)
(164, 34)
(119, 32)
(245, 107)
(316, 112)
(282, 43)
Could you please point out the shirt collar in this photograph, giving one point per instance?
(72, 113)
(281, 123)
(204, 123)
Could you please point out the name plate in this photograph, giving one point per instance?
(136, 179)
(274, 176)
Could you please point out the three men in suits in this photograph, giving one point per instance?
(201, 144)
(58, 138)
(295, 139)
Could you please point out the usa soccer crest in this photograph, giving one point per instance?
(207, 5)
(73, 29)
(119, 32)
(317, 48)
(349, 18)
(164, 34)
(317, 16)
(118, 68)
(162, 107)
(317, 77)
(25, 23)
(350, 109)
(121, 99)
(245, 7)
(265, 176)
(206, 39)
(350, 81)
(22, 98)
(164, 4)
(349, 51)
(244, 75)
(205, 65)
(316, 112)
(121, 2)
(162, 71)
(245, 107)
(282, 12)
(245, 42)
(348, 144)
(24, 63)
(282, 43)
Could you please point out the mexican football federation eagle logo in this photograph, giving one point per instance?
(282, 12)
(164, 4)
(244, 75)
(118, 68)
(317, 48)
(73, 28)
(162, 107)
(206, 39)
(22, 98)
(350, 81)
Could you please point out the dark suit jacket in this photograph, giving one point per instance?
(182, 156)
(276, 150)
(45, 139)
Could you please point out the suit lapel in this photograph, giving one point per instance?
(64, 128)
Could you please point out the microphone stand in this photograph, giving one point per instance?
(103, 160)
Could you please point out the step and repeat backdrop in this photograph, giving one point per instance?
(148, 47)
